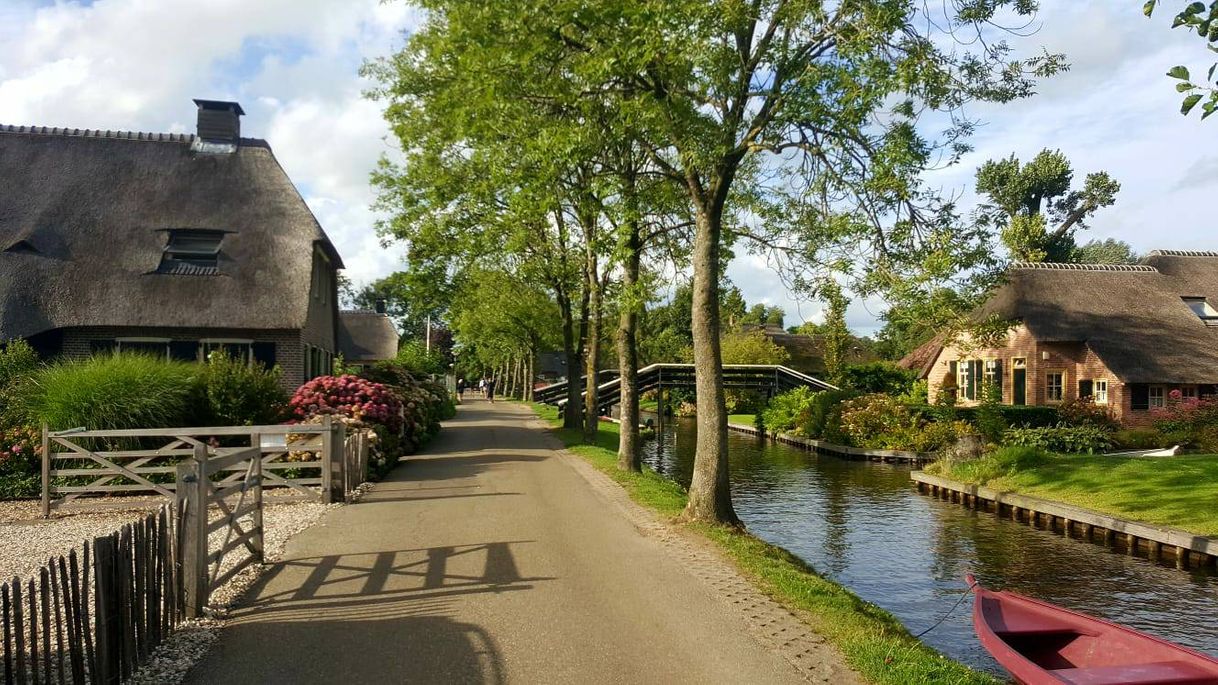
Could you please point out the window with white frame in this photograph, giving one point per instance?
(1188, 392)
(157, 347)
(1099, 391)
(1156, 395)
(238, 349)
(1053, 386)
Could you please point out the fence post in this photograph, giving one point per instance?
(192, 502)
(327, 459)
(338, 462)
(107, 632)
(46, 472)
(256, 474)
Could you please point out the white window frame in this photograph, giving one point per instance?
(118, 342)
(1019, 363)
(1152, 401)
(1188, 392)
(1061, 387)
(248, 342)
(1099, 390)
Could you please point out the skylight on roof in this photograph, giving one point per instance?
(1202, 308)
(192, 251)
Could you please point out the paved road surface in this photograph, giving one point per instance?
(492, 558)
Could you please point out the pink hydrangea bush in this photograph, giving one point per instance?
(350, 396)
(1189, 420)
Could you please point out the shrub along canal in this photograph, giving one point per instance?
(865, 526)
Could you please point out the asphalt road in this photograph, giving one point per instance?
(491, 558)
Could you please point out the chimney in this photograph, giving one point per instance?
(220, 123)
(380, 306)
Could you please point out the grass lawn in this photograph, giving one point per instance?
(742, 419)
(1171, 491)
(872, 640)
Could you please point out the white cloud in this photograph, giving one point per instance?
(135, 65)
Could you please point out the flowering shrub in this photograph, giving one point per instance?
(350, 396)
(20, 461)
(1189, 421)
(1083, 411)
(867, 417)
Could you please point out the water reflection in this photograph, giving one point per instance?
(865, 526)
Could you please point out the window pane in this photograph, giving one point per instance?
(156, 349)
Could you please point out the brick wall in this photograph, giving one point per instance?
(78, 342)
(1074, 360)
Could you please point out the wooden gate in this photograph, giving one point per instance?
(212, 525)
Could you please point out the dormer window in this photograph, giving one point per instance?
(192, 251)
(1202, 308)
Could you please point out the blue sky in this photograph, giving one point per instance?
(136, 64)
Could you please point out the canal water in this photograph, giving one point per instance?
(865, 526)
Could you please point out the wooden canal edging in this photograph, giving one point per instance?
(822, 447)
(1154, 542)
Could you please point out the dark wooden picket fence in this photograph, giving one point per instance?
(96, 617)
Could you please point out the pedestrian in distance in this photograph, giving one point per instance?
(490, 390)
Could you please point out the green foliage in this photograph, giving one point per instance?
(1024, 198)
(1139, 439)
(413, 356)
(240, 394)
(752, 347)
(1020, 416)
(883, 422)
(883, 377)
(20, 462)
(1192, 422)
(1204, 20)
(114, 391)
(1083, 411)
(988, 417)
(18, 363)
(789, 410)
(837, 335)
(824, 417)
(1061, 438)
(1005, 461)
(1106, 251)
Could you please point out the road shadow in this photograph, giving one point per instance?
(367, 618)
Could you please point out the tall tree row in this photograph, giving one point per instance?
(802, 128)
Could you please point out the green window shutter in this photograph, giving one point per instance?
(1139, 397)
(972, 380)
(998, 380)
(1085, 388)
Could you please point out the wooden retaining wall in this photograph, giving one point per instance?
(822, 447)
(1134, 538)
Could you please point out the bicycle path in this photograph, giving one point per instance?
(496, 557)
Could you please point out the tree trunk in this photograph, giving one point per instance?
(629, 455)
(710, 496)
(571, 345)
(593, 347)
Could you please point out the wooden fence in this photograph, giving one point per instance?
(94, 618)
(79, 466)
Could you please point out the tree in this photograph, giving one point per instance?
(837, 335)
(1033, 207)
(1204, 20)
(823, 102)
(1106, 251)
(752, 347)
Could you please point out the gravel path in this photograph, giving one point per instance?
(27, 540)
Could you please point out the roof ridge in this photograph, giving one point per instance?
(1061, 266)
(98, 133)
(1182, 253)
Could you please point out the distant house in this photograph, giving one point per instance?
(172, 244)
(1124, 335)
(808, 351)
(366, 337)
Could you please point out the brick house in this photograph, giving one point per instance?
(1124, 335)
(172, 244)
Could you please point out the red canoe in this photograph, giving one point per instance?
(1042, 644)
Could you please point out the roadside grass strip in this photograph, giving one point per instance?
(873, 641)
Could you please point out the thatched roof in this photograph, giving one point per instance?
(366, 336)
(83, 221)
(922, 359)
(1133, 317)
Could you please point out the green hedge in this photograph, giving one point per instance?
(1065, 439)
(1016, 416)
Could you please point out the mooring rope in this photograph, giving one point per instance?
(955, 606)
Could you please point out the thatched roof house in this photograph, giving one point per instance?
(169, 243)
(366, 337)
(1126, 335)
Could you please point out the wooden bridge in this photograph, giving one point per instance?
(767, 378)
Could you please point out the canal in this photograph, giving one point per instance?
(863, 525)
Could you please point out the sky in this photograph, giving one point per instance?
(293, 65)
